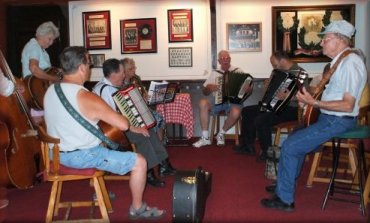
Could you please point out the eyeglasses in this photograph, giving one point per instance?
(326, 39)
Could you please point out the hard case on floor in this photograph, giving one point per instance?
(190, 191)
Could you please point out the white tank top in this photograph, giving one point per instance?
(60, 124)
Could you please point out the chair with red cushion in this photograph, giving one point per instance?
(58, 174)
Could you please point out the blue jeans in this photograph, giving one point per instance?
(100, 158)
(301, 142)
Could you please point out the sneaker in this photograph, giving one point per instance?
(202, 142)
(220, 139)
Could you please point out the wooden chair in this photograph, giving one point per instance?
(285, 127)
(58, 174)
(215, 128)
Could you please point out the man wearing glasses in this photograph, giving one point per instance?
(206, 106)
(339, 107)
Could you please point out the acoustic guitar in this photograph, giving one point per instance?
(37, 87)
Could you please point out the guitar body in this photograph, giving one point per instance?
(312, 114)
(37, 87)
(116, 135)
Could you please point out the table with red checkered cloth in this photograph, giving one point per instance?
(179, 111)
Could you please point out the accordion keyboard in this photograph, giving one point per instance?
(132, 105)
(218, 95)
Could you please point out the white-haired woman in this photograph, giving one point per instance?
(35, 59)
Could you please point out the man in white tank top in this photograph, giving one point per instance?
(79, 148)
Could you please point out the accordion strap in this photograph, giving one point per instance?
(88, 126)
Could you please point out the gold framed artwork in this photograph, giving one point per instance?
(295, 29)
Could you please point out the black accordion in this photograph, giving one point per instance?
(132, 105)
(234, 91)
(280, 81)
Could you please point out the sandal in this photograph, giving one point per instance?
(145, 212)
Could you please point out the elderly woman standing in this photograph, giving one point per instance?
(35, 59)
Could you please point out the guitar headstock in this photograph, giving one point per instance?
(301, 78)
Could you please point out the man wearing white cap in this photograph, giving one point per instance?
(338, 106)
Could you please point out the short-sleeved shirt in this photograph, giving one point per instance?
(33, 50)
(350, 76)
(106, 92)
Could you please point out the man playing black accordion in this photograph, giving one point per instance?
(206, 106)
(257, 122)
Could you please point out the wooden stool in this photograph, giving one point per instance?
(215, 128)
(358, 133)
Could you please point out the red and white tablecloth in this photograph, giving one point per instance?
(179, 111)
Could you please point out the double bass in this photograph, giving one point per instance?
(19, 158)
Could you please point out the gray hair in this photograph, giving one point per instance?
(47, 28)
(71, 57)
(126, 62)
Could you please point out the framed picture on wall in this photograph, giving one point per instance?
(97, 60)
(138, 35)
(295, 29)
(244, 36)
(180, 57)
(180, 25)
(96, 30)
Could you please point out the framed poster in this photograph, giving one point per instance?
(180, 57)
(244, 36)
(295, 29)
(180, 25)
(96, 30)
(138, 36)
(97, 60)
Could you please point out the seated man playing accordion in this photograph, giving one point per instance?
(146, 140)
(256, 122)
(206, 107)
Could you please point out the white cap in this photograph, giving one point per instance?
(341, 26)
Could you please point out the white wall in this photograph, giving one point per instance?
(150, 66)
(154, 66)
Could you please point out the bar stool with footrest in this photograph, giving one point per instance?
(358, 134)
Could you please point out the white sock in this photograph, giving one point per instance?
(205, 134)
(222, 132)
